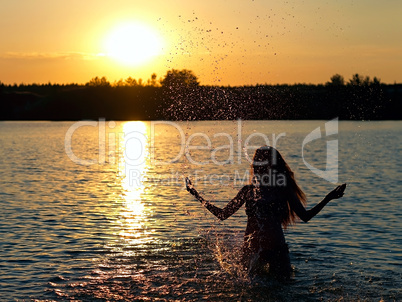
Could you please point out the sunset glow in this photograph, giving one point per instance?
(224, 43)
(133, 44)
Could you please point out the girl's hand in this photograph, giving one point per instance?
(337, 192)
(190, 187)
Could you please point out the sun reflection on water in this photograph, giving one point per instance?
(133, 167)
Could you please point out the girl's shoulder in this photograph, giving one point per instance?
(248, 187)
(247, 190)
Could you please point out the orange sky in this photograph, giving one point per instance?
(225, 42)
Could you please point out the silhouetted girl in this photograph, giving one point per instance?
(273, 199)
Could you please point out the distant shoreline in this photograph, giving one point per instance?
(148, 120)
(146, 103)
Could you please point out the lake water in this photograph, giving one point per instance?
(109, 220)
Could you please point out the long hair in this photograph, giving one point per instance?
(269, 162)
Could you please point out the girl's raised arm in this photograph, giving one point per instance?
(306, 215)
(228, 210)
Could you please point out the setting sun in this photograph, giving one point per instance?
(133, 44)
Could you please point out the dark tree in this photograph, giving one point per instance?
(336, 80)
(98, 82)
(359, 80)
(131, 82)
(180, 79)
(180, 89)
(153, 81)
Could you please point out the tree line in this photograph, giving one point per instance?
(178, 95)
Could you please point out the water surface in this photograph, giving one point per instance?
(124, 228)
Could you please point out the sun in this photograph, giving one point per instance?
(133, 44)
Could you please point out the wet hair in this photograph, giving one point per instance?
(268, 161)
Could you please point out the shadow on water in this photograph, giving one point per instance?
(190, 270)
(206, 268)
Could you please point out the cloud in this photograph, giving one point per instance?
(51, 56)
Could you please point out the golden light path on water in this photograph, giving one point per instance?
(132, 170)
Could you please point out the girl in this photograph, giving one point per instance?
(270, 206)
